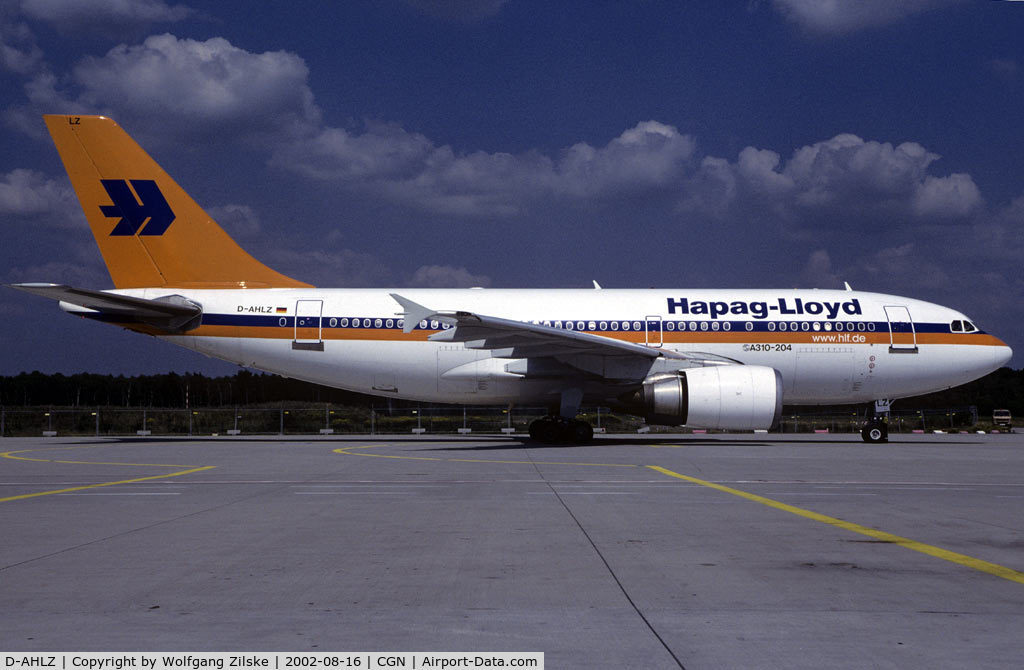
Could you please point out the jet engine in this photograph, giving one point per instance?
(732, 397)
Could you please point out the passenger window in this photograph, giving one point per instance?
(957, 326)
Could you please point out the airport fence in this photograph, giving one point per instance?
(292, 420)
(341, 420)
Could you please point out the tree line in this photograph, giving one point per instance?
(1003, 389)
(170, 390)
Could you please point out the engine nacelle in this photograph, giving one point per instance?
(731, 397)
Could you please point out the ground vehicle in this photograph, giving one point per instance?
(1002, 419)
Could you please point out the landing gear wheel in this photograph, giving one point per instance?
(544, 430)
(550, 431)
(875, 432)
(580, 432)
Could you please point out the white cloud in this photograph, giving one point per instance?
(910, 269)
(649, 156)
(409, 168)
(168, 89)
(818, 272)
(383, 151)
(447, 276)
(27, 193)
(103, 15)
(905, 266)
(845, 176)
(237, 220)
(189, 88)
(18, 50)
(955, 196)
(998, 238)
(328, 267)
(845, 16)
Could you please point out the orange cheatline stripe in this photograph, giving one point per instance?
(688, 337)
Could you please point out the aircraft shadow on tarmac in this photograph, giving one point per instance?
(499, 442)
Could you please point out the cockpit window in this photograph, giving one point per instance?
(969, 327)
(957, 326)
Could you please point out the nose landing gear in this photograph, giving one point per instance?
(877, 429)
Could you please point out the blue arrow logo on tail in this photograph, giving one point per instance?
(131, 213)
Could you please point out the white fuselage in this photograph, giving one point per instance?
(830, 347)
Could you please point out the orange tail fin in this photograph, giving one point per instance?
(150, 232)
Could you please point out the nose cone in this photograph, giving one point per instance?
(1003, 354)
(981, 359)
(996, 355)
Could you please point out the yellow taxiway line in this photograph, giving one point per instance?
(13, 455)
(930, 550)
(944, 554)
(937, 552)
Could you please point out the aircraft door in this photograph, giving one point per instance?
(902, 334)
(652, 331)
(308, 332)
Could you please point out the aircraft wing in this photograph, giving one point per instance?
(172, 313)
(505, 338)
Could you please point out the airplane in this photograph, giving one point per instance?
(712, 359)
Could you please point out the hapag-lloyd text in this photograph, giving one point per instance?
(830, 309)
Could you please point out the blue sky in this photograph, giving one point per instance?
(784, 143)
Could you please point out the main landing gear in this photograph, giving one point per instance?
(550, 430)
(562, 427)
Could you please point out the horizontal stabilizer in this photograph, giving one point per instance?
(172, 313)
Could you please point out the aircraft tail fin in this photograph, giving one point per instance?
(150, 232)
